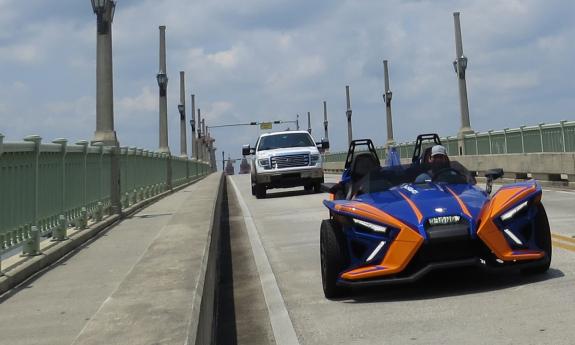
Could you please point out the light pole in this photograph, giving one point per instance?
(194, 153)
(204, 139)
(162, 78)
(326, 135)
(297, 123)
(105, 133)
(387, 99)
(182, 111)
(200, 138)
(460, 65)
(308, 122)
(348, 114)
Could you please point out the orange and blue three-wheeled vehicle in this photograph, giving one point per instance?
(385, 228)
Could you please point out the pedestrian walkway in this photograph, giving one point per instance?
(135, 284)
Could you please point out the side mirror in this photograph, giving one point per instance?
(323, 145)
(247, 150)
(492, 175)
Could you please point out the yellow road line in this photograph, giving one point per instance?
(563, 245)
(563, 238)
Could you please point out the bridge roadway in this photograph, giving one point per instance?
(455, 307)
(114, 288)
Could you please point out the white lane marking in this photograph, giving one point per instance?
(284, 332)
(565, 192)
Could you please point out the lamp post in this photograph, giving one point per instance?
(162, 78)
(387, 99)
(105, 133)
(348, 114)
(182, 111)
(325, 123)
(194, 153)
(308, 122)
(204, 138)
(460, 65)
(200, 139)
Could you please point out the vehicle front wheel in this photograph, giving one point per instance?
(333, 258)
(543, 241)
(260, 191)
(317, 187)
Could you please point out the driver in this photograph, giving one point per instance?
(437, 161)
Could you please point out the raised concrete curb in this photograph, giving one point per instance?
(19, 271)
(169, 295)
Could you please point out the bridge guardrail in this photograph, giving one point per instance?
(554, 137)
(47, 188)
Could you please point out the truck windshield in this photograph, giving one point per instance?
(277, 141)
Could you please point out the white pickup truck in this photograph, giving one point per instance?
(284, 160)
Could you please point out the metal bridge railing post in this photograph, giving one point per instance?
(59, 233)
(562, 123)
(83, 221)
(522, 139)
(32, 245)
(541, 135)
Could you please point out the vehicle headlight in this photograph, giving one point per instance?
(374, 227)
(314, 159)
(264, 162)
(511, 213)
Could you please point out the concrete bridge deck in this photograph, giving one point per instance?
(134, 284)
(138, 284)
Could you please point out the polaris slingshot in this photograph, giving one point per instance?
(384, 228)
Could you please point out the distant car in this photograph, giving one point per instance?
(384, 228)
(229, 167)
(285, 159)
(244, 166)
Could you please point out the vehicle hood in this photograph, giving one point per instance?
(413, 204)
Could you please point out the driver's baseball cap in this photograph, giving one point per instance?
(438, 150)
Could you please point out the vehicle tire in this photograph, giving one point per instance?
(260, 191)
(253, 189)
(543, 241)
(333, 258)
(308, 187)
(317, 187)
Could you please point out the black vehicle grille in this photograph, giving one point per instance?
(290, 161)
(448, 242)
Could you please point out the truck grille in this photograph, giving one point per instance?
(290, 161)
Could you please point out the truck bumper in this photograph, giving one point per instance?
(290, 178)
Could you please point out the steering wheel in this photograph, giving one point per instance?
(449, 175)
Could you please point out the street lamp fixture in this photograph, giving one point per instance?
(162, 78)
(181, 110)
(193, 125)
(460, 65)
(104, 9)
(387, 96)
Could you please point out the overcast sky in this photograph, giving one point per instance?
(260, 60)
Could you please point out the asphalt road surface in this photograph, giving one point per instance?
(448, 307)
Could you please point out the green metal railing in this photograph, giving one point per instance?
(47, 188)
(556, 137)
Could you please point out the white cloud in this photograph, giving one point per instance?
(265, 60)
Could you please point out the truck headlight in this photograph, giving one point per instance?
(314, 159)
(511, 213)
(265, 163)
